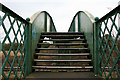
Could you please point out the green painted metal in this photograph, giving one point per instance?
(78, 22)
(45, 22)
(107, 51)
(95, 56)
(73, 25)
(51, 25)
(103, 44)
(85, 24)
(21, 30)
(39, 22)
(29, 49)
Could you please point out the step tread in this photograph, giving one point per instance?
(63, 48)
(63, 54)
(82, 60)
(62, 35)
(62, 32)
(63, 44)
(64, 67)
(62, 39)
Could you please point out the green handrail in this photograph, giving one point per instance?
(107, 45)
(83, 22)
(18, 31)
(40, 24)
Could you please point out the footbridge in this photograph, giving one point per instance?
(34, 49)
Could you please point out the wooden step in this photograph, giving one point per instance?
(63, 67)
(63, 36)
(62, 40)
(62, 33)
(82, 60)
(62, 54)
(64, 44)
(62, 49)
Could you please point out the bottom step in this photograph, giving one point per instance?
(63, 67)
(63, 76)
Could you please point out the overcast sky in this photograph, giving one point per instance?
(62, 11)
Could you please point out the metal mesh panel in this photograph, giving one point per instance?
(108, 35)
(13, 39)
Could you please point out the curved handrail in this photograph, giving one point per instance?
(34, 16)
(40, 24)
(83, 22)
(78, 14)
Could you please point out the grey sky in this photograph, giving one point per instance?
(62, 11)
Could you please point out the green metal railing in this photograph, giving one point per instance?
(19, 40)
(83, 22)
(51, 23)
(16, 34)
(41, 22)
(107, 45)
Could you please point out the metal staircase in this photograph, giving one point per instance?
(63, 51)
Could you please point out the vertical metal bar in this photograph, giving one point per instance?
(79, 22)
(95, 44)
(51, 25)
(73, 25)
(95, 48)
(28, 51)
(25, 51)
(53, 28)
(45, 22)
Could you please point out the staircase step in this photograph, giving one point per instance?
(62, 54)
(82, 60)
(62, 39)
(64, 44)
(63, 36)
(44, 57)
(62, 48)
(63, 67)
(62, 33)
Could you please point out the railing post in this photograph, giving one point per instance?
(45, 22)
(78, 22)
(96, 34)
(28, 46)
(73, 26)
(53, 28)
(51, 25)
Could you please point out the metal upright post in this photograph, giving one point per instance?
(73, 24)
(51, 25)
(45, 22)
(79, 22)
(96, 27)
(28, 46)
